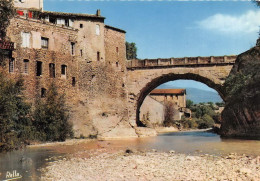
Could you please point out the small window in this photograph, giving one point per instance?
(117, 50)
(98, 56)
(43, 92)
(116, 64)
(52, 70)
(26, 66)
(11, 65)
(64, 70)
(26, 40)
(97, 30)
(81, 25)
(81, 53)
(72, 45)
(73, 81)
(38, 68)
(44, 42)
(52, 20)
(67, 23)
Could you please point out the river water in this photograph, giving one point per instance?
(27, 162)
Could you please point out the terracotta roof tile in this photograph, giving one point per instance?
(168, 91)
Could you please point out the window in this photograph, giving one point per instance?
(97, 30)
(117, 50)
(63, 71)
(52, 70)
(26, 66)
(60, 21)
(73, 81)
(11, 65)
(52, 20)
(116, 64)
(81, 25)
(81, 53)
(26, 40)
(67, 22)
(38, 68)
(72, 45)
(44, 42)
(98, 56)
(43, 92)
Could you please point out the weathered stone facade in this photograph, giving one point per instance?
(83, 57)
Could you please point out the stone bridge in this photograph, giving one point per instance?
(145, 75)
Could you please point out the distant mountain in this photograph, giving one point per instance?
(197, 95)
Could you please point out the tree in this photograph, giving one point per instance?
(189, 103)
(131, 51)
(6, 13)
(52, 117)
(15, 118)
(169, 112)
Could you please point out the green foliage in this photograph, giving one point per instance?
(203, 116)
(189, 123)
(15, 119)
(131, 51)
(6, 13)
(220, 104)
(244, 79)
(51, 117)
(189, 103)
(205, 122)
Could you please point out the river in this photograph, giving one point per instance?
(27, 162)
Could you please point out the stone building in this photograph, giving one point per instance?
(83, 57)
(152, 109)
(177, 96)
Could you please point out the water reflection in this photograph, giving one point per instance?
(24, 162)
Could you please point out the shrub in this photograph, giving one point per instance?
(51, 117)
(169, 112)
(15, 118)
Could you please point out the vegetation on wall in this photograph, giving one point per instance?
(131, 51)
(6, 13)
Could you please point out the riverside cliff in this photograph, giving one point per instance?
(241, 116)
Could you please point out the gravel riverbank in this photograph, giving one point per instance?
(154, 166)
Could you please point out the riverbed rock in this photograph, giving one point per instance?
(145, 132)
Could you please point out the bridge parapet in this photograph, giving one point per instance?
(182, 62)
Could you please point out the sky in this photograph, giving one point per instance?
(171, 28)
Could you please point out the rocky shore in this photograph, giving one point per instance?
(152, 165)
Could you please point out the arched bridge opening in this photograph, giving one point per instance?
(171, 77)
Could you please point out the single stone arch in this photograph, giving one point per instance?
(171, 77)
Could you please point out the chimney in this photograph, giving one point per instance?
(98, 12)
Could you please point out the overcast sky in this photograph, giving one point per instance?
(163, 29)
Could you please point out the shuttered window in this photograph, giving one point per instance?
(26, 40)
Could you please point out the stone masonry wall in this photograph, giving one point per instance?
(58, 53)
(102, 109)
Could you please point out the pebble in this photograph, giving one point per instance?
(153, 166)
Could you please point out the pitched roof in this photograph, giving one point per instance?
(114, 28)
(168, 91)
